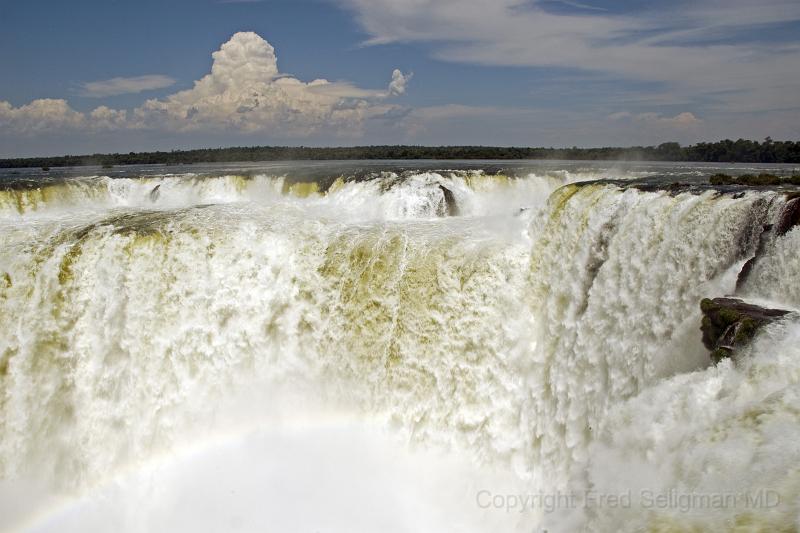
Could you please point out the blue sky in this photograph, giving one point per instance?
(96, 76)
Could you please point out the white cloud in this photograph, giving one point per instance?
(398, 83)
(579, 5)
(117, 86)
(451, 111)
(244, 93)
(39, 116)
(733, 89)
(654, 128)
(681, 119)
(660, 44)
(52, 116)
(421, 119)
(343, 89)
(105, 118)
(684, 119)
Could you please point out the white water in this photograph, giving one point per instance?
(354, 361)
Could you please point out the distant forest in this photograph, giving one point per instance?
(741, 151)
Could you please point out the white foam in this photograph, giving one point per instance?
(534, 343)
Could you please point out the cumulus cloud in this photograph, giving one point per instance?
(117, 86)
(53, 116)
(244, 93)
(398, 83)
(40, 116)
(105, 118)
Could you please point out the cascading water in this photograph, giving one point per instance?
(541, 334)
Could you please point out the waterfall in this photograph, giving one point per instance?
(546, 328)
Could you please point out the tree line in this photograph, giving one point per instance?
(740, 151)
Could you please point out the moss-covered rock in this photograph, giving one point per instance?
(729, 323)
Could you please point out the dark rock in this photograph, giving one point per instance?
(790, 217)
(744, 273)
(729, 323)
(676, 186)
(451, 207)
(754, 180)
(752, 228)
(154, 194)
(721, 183)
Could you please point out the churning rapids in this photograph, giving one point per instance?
(392, 347)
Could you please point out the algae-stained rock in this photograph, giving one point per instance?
(729, 323)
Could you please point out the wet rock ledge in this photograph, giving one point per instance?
(722, 183)
(729, 323)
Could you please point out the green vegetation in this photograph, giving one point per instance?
(729, 323)
(754, 180)
(744, 151)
